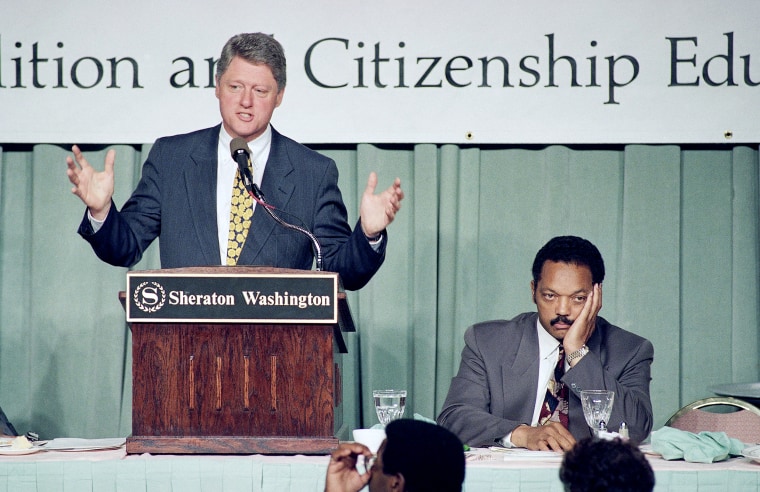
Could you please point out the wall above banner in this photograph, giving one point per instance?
(492, 73)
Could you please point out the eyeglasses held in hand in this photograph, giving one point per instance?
(368, 463)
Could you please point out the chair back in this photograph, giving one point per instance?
(742, 421)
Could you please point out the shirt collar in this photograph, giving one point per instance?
(257, 146)
(547, 344)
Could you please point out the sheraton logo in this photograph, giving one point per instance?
(149, 297)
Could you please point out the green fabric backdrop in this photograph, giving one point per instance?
(677, 227)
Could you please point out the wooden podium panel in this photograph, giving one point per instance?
(239, 388)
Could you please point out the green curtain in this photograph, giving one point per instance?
(677, 227)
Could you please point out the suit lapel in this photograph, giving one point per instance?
(520, 369)
(277, 185)
(526, 358)
(200, 182)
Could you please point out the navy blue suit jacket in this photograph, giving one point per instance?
(175, 201)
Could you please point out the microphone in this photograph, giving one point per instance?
(242, 156)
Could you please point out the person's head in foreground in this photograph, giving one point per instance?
(597, 465)
(416, 456)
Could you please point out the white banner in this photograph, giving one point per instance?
(493, 71)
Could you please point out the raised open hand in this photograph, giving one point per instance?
(377, 211)
(94, 188)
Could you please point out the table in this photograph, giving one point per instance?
(511, 474)
(114, 470)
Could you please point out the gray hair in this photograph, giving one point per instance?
(257, 48)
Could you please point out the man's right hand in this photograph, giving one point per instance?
(94, 188)
(550, 437)
(342, 475)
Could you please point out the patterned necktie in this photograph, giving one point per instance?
(241, 211)
(555, 404)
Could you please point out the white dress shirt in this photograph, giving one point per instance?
(548, 351)
(225, 178)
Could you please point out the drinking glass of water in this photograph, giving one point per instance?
(389, 404)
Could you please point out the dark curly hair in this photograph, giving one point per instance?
(430, 458)
(606, 466)
(572, 250)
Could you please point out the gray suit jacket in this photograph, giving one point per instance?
(175, 200)
(495, 389)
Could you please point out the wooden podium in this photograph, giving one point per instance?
(235, 372)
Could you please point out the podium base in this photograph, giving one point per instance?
(230, 445)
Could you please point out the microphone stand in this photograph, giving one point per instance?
(241, 155)
(257, 195)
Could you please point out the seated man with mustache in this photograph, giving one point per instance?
(519, 381)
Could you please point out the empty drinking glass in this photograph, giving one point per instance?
(597, 408)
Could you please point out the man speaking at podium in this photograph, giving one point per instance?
(187, 192)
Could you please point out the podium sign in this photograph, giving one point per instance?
(227, 371)
(232, 297)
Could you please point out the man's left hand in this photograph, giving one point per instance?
(584, 324)
(377, 211)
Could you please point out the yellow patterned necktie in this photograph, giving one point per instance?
(241, 211)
